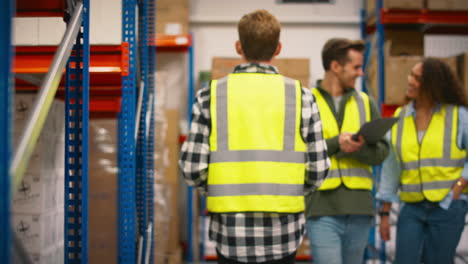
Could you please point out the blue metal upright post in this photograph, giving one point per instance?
(381, 82)
(126, 144)
(191, 98)
(6, 90)
(380, 53)
(142, 146)
(76, 146)
(151, 90)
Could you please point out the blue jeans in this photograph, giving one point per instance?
(338, 239)
(426, 232)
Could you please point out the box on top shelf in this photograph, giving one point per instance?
(296, 68)
(172, 17)
(447, 5)
(395, 4)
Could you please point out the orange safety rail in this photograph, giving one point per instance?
(40, 8)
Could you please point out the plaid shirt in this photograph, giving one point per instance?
(254, 237)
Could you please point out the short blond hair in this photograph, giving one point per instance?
(259, 33)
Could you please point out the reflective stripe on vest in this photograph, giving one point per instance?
(350, 172)
(428, 171)
(249, 179)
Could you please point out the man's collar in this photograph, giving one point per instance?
(253, 67)
(346, 90)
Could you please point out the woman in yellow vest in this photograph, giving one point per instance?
(428, 166)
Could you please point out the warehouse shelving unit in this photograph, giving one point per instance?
(73, 48)
(429, 21)
(424, 20)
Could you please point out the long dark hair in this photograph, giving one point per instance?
(440, 84)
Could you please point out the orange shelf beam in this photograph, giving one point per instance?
(173, 42)
(424, 16)
(41, 8)
(103, 59)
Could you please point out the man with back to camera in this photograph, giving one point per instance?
(255, 147)
(340, 214)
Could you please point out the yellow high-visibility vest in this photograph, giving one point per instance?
(429, 169)
(350, 172)
(257, 155)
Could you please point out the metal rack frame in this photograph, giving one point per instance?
(126, 142)
(76, 146)
(75, 134)
(136, 135)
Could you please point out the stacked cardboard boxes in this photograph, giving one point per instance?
(436, 5)
(447, 5)
(38, 201)
(402, 50)
(396, 4)
(172, 17)
(166, 224)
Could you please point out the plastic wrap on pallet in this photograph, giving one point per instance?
(37, 206)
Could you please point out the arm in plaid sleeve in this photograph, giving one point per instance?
(194, 156)
(317, 161)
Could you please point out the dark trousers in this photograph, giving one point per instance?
(291, 259)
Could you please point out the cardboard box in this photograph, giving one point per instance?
(395, 4)
(405, 42)
(371, 5)
(102, 211)
(456, 5)
(296, 68)
(304, 248)
(397, 69)
(403, 4)
(172, 17)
